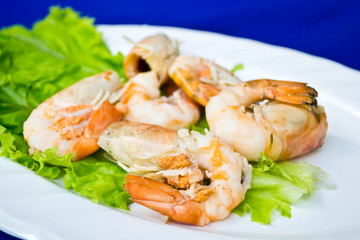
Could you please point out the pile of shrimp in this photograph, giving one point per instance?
(184, 175)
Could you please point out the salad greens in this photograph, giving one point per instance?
(64, 48)
(35, 64)
(276, 186)
(15, 147)
(201, 125)
(237, 67)
(99, 179)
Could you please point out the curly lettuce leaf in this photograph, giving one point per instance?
(37, 63)
(94, 177)
(275, 186)
(99, 179)
(49, 156)
(15, 147)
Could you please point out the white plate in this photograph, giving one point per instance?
(34, 208)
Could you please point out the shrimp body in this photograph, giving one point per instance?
(154, 53)
(228, 172)
(141, 99)
(183, 162)
(282, 129)
(133, 144)
(200, 78)
(73, 119)
(290, 125)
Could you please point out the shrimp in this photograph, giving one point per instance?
(73, 119)
(200, 78)
(141, 101)
(154, 53)
(182, 160)
(133, 144)
(291, 126)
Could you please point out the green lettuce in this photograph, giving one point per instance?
(275, 186)
(237, 67)
(15, 147)
(35, 64)
(201, 125)
(94, 177)
(99, 179)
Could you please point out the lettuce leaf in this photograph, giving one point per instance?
(201, 125)
(94, 177)
(15, 147)
(35, 64)
(277, 186)
(49, 156)
(99, 179)
(237, 67)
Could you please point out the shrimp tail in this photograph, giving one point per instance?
(165, 199)
(285, 91)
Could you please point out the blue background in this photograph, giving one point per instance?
(326, 28)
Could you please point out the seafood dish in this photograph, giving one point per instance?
(143, 126)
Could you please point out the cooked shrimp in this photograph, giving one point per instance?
(200, 78)
(133, 144)
(141, 100)
(280, 130)
(154, 53)
(229, 174)
(149, 149)
(182, 160)
(73, 119)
